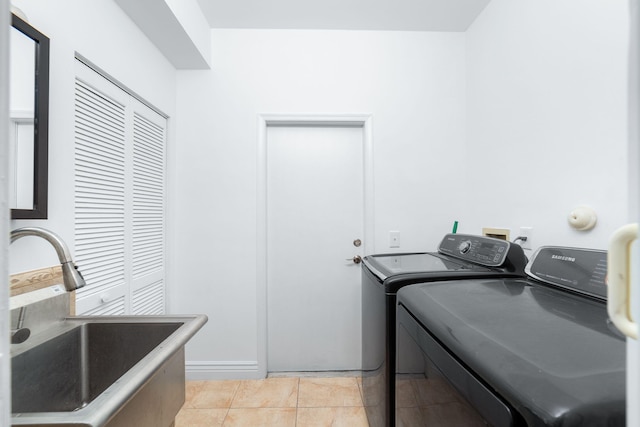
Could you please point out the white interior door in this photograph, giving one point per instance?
(315, 202)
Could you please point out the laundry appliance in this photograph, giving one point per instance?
(459, 256)
(509, 352)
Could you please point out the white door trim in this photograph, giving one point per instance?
(265, 120)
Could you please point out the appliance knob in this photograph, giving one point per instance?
(464, 247)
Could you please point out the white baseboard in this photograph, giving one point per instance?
(223, 370)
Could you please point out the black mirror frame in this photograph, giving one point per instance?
(40, 123)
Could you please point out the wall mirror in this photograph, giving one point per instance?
(28, 121)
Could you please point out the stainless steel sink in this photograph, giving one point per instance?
(103, 371)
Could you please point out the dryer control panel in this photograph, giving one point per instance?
(477, 249)
(579, 270)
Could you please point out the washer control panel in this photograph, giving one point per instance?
(478, 249)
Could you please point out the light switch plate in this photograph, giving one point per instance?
(394, 239)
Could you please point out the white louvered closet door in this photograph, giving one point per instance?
(119, 199)
(147, 226)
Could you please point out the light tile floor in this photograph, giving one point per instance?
(274, 402)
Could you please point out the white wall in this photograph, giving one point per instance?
(102, 33)
(546, 109)
(412, 83)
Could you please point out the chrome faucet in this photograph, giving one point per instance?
(70, 274)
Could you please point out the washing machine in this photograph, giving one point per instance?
(458, 256)
(535, 351)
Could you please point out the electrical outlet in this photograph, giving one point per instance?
(394, 239)
(525, 232)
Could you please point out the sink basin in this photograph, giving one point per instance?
(69, 371)
(103, 371)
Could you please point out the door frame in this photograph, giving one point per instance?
(264, 121)
(5, 225)
(633, 346)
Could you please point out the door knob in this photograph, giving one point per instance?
(356, 259)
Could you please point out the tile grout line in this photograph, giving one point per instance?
(297, 401)
(224, 420)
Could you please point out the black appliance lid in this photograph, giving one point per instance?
(387, 265)
(551, 354)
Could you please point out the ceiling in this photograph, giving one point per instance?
(378, 15)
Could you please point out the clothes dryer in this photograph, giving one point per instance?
(539, 351)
